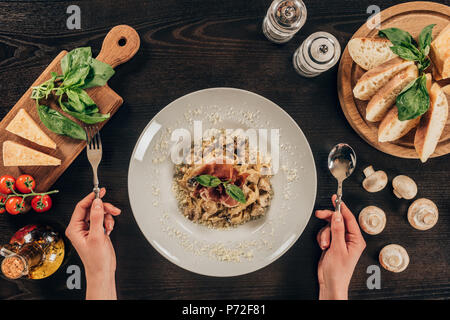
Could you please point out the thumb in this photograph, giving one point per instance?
(338, 231)
(97, 217)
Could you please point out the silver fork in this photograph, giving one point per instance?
(94, 153)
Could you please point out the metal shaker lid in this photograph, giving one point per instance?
(321, 50)
(289, 14)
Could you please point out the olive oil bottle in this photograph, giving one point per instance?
(35, 252)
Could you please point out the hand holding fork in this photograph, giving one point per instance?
(94, 152)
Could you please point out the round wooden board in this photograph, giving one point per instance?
(411, 17)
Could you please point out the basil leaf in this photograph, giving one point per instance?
(91, 118)
(85, 98)
(99, 74)
(235, 192)
(422, 65)
(207, 180)
(60, 124)
(74, 101)
(76, 58)
(76, 77)
(405, 53)
(396, 36)
(414, 100)
(425, 38)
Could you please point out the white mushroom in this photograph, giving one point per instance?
(423, 214)
(375, 180)
(372, 220)
(404, 187)
(394, 258)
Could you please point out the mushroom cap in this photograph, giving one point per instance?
(404, 187)
(376, 181)
(394, 257)
(372, 220)
(423, 214)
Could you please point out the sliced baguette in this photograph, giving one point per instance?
(374, 79)
(369, 53)
(391, 128)
(431, 124)
(385, 98)
(440, 54)
(446, 89)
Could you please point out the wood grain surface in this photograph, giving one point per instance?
(412, 17)
(191, 45)
(67, 148)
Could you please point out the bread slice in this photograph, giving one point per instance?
(369, 53)
(440, 54)
(385, 97)
(446, 89)
(24, 126)
(15, 154)
(431, 124)
(374, 79)
(391, 128)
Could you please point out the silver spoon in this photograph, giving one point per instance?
(341, 162)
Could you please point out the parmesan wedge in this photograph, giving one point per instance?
(15, 154)
(24, 126)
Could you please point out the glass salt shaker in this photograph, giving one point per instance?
(318, 53)
(283, 20)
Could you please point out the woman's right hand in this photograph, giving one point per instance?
(342, 244)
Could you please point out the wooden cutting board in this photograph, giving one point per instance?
(119, 46)
(411, 17)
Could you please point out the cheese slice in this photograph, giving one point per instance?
(24, 126)
(15, 154)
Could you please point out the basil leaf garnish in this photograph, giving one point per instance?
(235, 192)
(406, 53)
(425, 38)
(414, 100)
(396, 36)
(232, 190)
(207, 180)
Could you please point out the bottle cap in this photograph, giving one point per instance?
(14, 266)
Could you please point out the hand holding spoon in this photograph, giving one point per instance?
(341, 162)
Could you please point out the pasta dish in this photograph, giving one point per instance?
(223, 190)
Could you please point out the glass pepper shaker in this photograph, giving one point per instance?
(283, 20)
(318, 53)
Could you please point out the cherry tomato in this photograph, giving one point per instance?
(2, 204)
(7, 181)
(15, 205)
(25, 183)
(41, 203)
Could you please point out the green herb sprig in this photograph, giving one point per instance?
(80, 71)
(414, 99)
(232, 190)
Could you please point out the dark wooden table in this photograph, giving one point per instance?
(196, 44)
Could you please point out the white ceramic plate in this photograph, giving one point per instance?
(233, 251)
